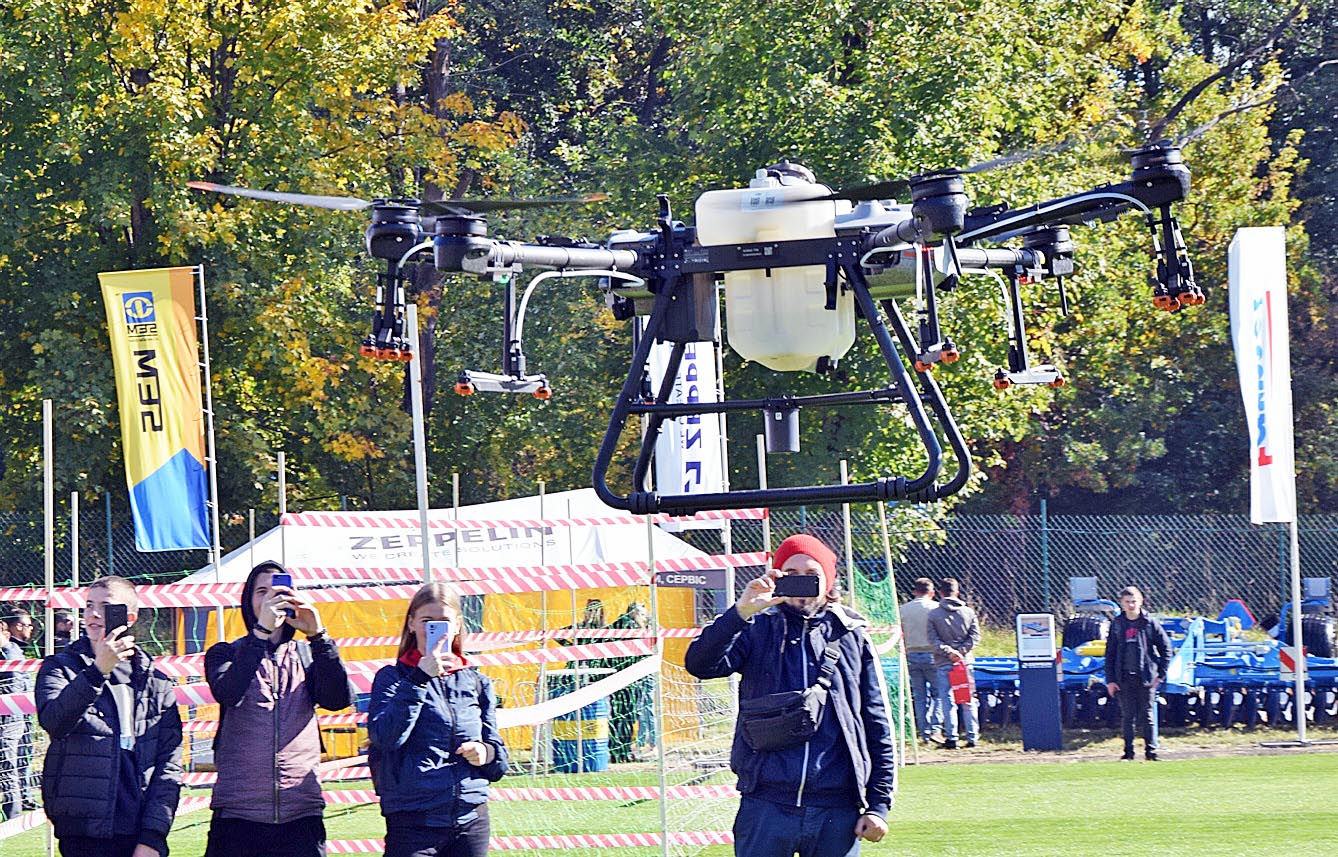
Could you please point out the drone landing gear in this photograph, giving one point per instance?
(675, 292)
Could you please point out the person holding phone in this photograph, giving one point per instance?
(787, 636)
(267, 801)
(435, 747)
(112, 773)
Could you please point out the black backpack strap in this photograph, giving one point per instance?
(829, 658)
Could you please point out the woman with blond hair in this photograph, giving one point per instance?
(434, 741)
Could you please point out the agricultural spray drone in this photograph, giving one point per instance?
(801, 263)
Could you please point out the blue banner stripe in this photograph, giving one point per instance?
(170, 506)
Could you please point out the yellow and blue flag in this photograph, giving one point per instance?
(151, 319)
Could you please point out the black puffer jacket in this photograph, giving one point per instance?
(762, 652)
(79, 778)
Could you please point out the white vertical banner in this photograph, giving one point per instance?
(687, 452)
(1258, 299)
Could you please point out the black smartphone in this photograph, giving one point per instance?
(797, 586)
(281, 578)
(114, 616)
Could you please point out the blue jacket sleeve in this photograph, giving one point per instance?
(495, 769)
(722, 647)
(882, 786)
(64, 694)
(395, 704)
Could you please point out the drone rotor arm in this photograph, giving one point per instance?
(505, 254)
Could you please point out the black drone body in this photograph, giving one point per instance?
(841, 256)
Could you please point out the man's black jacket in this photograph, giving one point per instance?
(1150, 643)
(79, 779)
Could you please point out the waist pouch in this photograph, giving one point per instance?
(778, 721)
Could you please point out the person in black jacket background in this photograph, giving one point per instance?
(112, 774)
(822, 795)
(1137, 655)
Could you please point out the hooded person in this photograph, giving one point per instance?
(267, 801)
(819, 779)
(953, 632)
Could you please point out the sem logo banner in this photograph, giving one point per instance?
(151, 323)
(1258, 298)
(138, 307)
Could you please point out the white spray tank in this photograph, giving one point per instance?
(778, 317)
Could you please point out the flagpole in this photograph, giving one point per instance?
(1298, 706)
(419, 445)
(215, 547)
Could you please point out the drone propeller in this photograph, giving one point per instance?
(337, 203)
(466, 207)
(460, 207)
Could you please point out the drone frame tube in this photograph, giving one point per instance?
(921, 487)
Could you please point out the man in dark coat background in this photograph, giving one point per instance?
(1137, 655)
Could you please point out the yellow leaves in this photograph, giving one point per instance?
(351, 447)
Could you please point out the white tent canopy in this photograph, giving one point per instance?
(391, 539)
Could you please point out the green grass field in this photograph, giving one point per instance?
(1234, 805)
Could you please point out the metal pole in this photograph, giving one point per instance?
(455, 514)
(903, 680)
(762, 483)
(850, 549)
(48, 523)
(658, 690)
(48, 556)
(1045, 557)
(215, 546)
(538, 736)
(419, 442)
(1298, 706)
(283, 508)
(74, 539)
(251, 537)
(111, 544)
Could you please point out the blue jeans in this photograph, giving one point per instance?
(950, 710)
(766, 829)
(924, 692)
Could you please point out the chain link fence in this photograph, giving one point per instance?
(1009, 564)
(1006, 564)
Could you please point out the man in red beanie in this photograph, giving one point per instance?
(815, 789)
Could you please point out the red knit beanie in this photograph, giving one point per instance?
(810, 546)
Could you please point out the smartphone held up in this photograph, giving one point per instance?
(115, 616)
(797, 586)
(435, 632)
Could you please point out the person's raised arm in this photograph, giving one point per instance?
(395, 705)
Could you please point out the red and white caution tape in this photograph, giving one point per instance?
(534, 843)
(22, 593)
(439, 522)
(22, 823)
